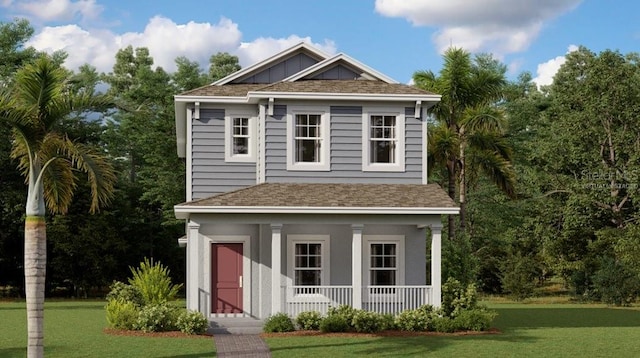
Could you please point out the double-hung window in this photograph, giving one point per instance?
(384, 263)
(383, 140)
(307, 263)
(240, 138)
(308, 139)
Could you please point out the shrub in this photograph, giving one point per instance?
(334, 323)
(388, 322)
(519, 275)
(153, 282)
(475, 320)
(444, 324)
(192, 322)
(413, 320)
(367, 322)
(122, 314)
(347, 312)
(157, 318)
(309, 320)
(457, 298)
(279, 322)
(616, 284)
(123, 292)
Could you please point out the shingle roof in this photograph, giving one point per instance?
(332, 195)
(309, 86)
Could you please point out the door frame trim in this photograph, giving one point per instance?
(245, 240)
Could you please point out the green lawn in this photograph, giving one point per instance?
(528, 330)
(74, 329)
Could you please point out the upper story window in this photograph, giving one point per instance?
(308, 139)
(240, 138)
(383, 140)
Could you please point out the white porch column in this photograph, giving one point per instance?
(436, 265)
(356, 265)
(276, 268)
(193, 262)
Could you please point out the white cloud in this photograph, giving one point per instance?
(547, 70)
(166, 40)
(264, 47)
(55, 10)
(497, 26)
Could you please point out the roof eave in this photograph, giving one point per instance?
(346, 96)
(183, 211)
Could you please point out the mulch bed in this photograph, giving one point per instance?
(380, 334)
(172, 334)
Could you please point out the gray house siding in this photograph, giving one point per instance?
(345, 151)
(337, 73)
(281, 70)
(210, 173)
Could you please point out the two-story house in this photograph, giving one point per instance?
(307, 188)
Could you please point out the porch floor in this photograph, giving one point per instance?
(234, 325)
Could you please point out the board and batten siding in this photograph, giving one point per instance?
(346, 151)
(282, 70)
(210, 174)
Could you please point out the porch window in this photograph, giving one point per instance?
(383, 139)
(308, 138)
(383, 264)
(383, 268)
(308, 264)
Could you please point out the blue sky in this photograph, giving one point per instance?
(396, 37)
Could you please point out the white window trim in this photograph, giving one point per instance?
(325, 152)
(398, 166)
(228, 137)
(292, 240)
(367, 240)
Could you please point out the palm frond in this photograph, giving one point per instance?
(443, 145)
(484, 118)
(99, 172)
(497, 169)
(491, 142)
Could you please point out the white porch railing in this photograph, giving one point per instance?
(380, 299)
(316, 298)
(395, 299)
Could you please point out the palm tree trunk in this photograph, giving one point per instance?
(35, 263)
(463, 184)
(451, 223)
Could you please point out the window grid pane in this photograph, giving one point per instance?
(240, 136)
(382, 139)
(383, 264)
(307, 138)
(308, 264)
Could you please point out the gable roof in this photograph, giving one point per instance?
(257, 67)
(326, 199)
(321, 66)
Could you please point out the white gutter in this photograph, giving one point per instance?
(183, 211)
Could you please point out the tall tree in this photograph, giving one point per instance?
(34, 107)
(469, 128)
(222, 64)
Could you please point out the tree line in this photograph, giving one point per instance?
(546, 178)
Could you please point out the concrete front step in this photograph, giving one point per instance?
(234, 325)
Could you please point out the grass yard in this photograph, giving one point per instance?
(528, 330)
(74, 329)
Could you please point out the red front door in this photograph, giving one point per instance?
(226, 281)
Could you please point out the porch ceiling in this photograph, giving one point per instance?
(327, 198)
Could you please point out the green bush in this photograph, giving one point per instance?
(334, 323)
(347, 312)
(615, 283)
(413, 320)
(153, 282)
(367, 322)
(121, 314)
(157, 318)
(456, 297)
(279, 322)
(123, 292)
(309, 320)
(519, 275)
(388, 322)
(444, 324)
(192, 322)
(477, 319)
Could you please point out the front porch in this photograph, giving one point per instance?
(381, 299)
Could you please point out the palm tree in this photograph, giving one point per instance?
(469, 129)
(34, 105)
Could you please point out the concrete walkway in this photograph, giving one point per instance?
(241, 345)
